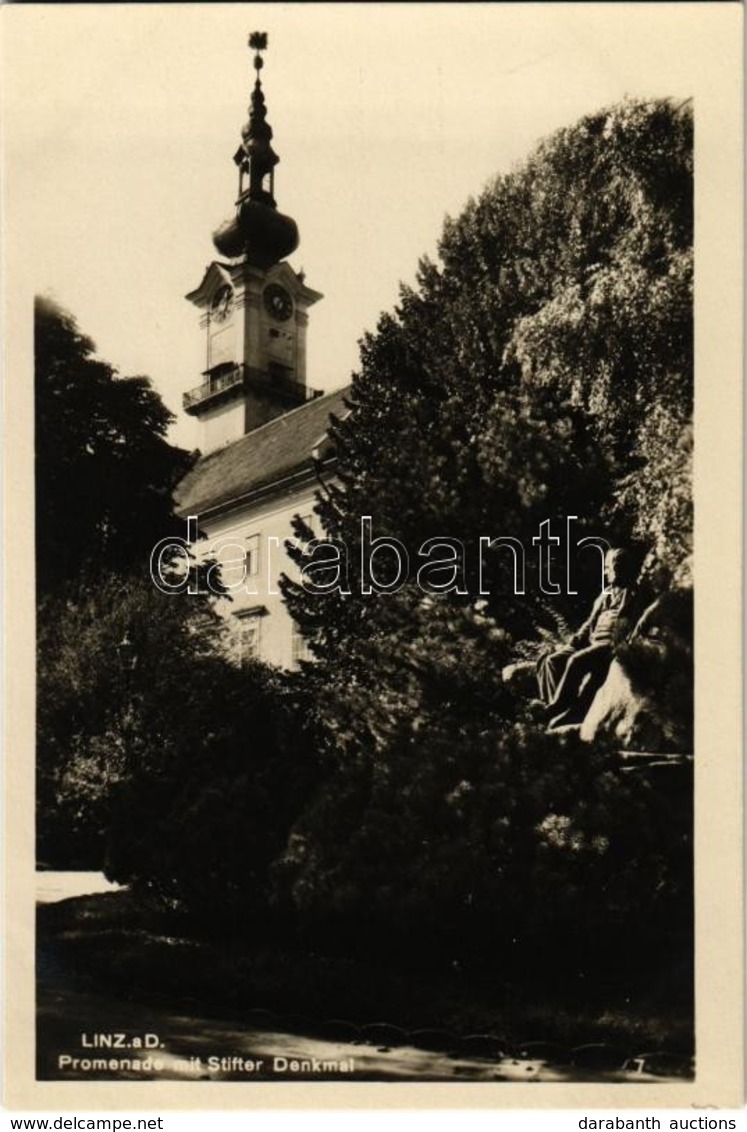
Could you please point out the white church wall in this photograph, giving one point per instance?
(249, 544)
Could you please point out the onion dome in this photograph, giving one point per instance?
(257, 231)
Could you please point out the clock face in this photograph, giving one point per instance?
(222, 304)
(278, 302)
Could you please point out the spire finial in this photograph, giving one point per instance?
(258, 43)
(259, 231)
(256, 156)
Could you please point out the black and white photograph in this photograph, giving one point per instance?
(379, 683)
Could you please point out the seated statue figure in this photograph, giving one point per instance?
(647, 698)
(570, 677)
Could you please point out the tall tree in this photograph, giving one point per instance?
(543, 369)
(162, 762)
(104, 469)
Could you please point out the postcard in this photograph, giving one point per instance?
(373, 555)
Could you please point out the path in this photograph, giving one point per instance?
(85, 1033)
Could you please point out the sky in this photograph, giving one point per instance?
(122, 121)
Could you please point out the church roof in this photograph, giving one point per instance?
(261, 458)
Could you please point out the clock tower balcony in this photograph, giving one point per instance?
(227, 382)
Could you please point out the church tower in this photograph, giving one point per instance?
(254, 306)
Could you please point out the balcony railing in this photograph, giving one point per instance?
(293, 392)
(218, 383)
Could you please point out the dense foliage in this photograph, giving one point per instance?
(162, 762)
(104, 469)
(524, 849)
(181, 774)
(542, 370)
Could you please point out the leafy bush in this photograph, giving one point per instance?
(529, 848)
(183, 775)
